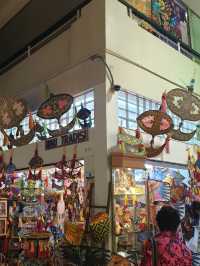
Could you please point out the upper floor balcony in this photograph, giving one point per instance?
(172, 21)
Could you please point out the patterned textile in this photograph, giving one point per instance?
(170, 251)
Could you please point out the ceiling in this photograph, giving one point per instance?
(24, 29)
(9, 8)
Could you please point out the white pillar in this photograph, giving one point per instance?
(106, 126)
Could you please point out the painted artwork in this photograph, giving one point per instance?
(159, 191)
(172, 16)
(143, 6)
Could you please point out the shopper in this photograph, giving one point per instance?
(167, 249)
(190, 226)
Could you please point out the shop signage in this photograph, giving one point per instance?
(71, 138)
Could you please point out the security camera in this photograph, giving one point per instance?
(116, 87)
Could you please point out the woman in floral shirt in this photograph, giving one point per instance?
(169, 249)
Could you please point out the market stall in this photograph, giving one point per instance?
(140, 188)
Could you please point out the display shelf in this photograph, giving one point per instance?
(127, 160)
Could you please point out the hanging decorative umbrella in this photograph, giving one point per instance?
(186, 106)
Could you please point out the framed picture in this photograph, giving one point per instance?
(3, 208)
(3, 226)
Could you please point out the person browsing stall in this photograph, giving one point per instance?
(166, 248)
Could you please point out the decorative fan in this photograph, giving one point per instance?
(155, 123)
(186, 106)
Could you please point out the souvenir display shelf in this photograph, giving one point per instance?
(129, 200)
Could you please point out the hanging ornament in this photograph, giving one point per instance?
(23, 139)
(31, 122)
(53, 108)
(6, 141)
(12, 112)
(11, 169)
(74, 166)
(36, 161)
(85, 115)
(155, 123)
(2, 171)
(129, 143)
(61, 210)
(74, 233)
(163, 107)
(186, 106)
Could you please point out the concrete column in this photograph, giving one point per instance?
(105, 138)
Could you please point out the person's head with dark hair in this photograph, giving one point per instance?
(168, 219)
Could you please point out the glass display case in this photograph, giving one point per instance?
(129, 202)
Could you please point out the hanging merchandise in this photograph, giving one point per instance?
(84, 115)
(128, 143)
(61, 211)
(194, 170)
(117, 260)
(74, 233)
(36, 161)
(186, 106)
(2, 171)
(53, 108)
(12, 113)
(100, 226)
(155, 123)
(74, 166)
(10, 171)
